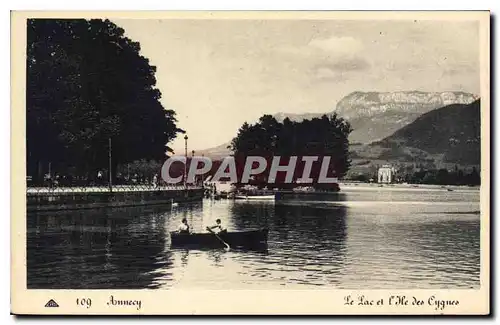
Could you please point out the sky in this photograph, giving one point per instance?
(217, 74)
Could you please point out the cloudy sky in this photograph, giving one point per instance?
(217, 74)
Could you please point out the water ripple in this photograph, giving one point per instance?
(413, 240)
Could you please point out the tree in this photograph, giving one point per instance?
(442, 177)
(87, 83)
(325, 136)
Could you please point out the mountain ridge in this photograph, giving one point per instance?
(374, 115)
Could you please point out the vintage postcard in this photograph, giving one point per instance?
(260, 163)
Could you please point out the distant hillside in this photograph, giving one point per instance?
(375, 115)
(297, 117)
(218, 152)
(450, 134)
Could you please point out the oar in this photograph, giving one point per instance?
(218, 237)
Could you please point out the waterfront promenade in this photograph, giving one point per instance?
(101, 189)
(60, 198)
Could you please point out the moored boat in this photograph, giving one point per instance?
(235, 239)
(254, 197)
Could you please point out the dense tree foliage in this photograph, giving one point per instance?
(444, 177)
(87, 83)
(422, 175)
(325, 136)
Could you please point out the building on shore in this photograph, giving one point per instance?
(386, 174)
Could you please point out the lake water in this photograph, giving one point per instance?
(372, 238)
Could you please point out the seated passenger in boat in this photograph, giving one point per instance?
(184, 227)
(218, 227)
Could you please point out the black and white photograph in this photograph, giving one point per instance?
(263, 152)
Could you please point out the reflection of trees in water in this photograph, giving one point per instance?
(245, 215)
(306, 240)
(311, 222)
(320, 219)
(297, 226)
(105, 248)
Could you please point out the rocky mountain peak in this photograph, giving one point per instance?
(366, 104)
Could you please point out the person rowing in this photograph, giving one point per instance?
(184, 227)
(217, 228)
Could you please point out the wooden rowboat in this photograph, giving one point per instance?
(235, 239)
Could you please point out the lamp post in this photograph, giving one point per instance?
(186, 154)
(192, 156)
(109, 171)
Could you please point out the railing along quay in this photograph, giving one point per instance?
(102, 189)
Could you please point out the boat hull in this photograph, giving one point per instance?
(255, 197)
(240, 239)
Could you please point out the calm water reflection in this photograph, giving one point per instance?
(377, 238)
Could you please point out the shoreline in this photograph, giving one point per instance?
(88, 198)
(399, 186)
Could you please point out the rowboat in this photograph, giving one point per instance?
(242, 239)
